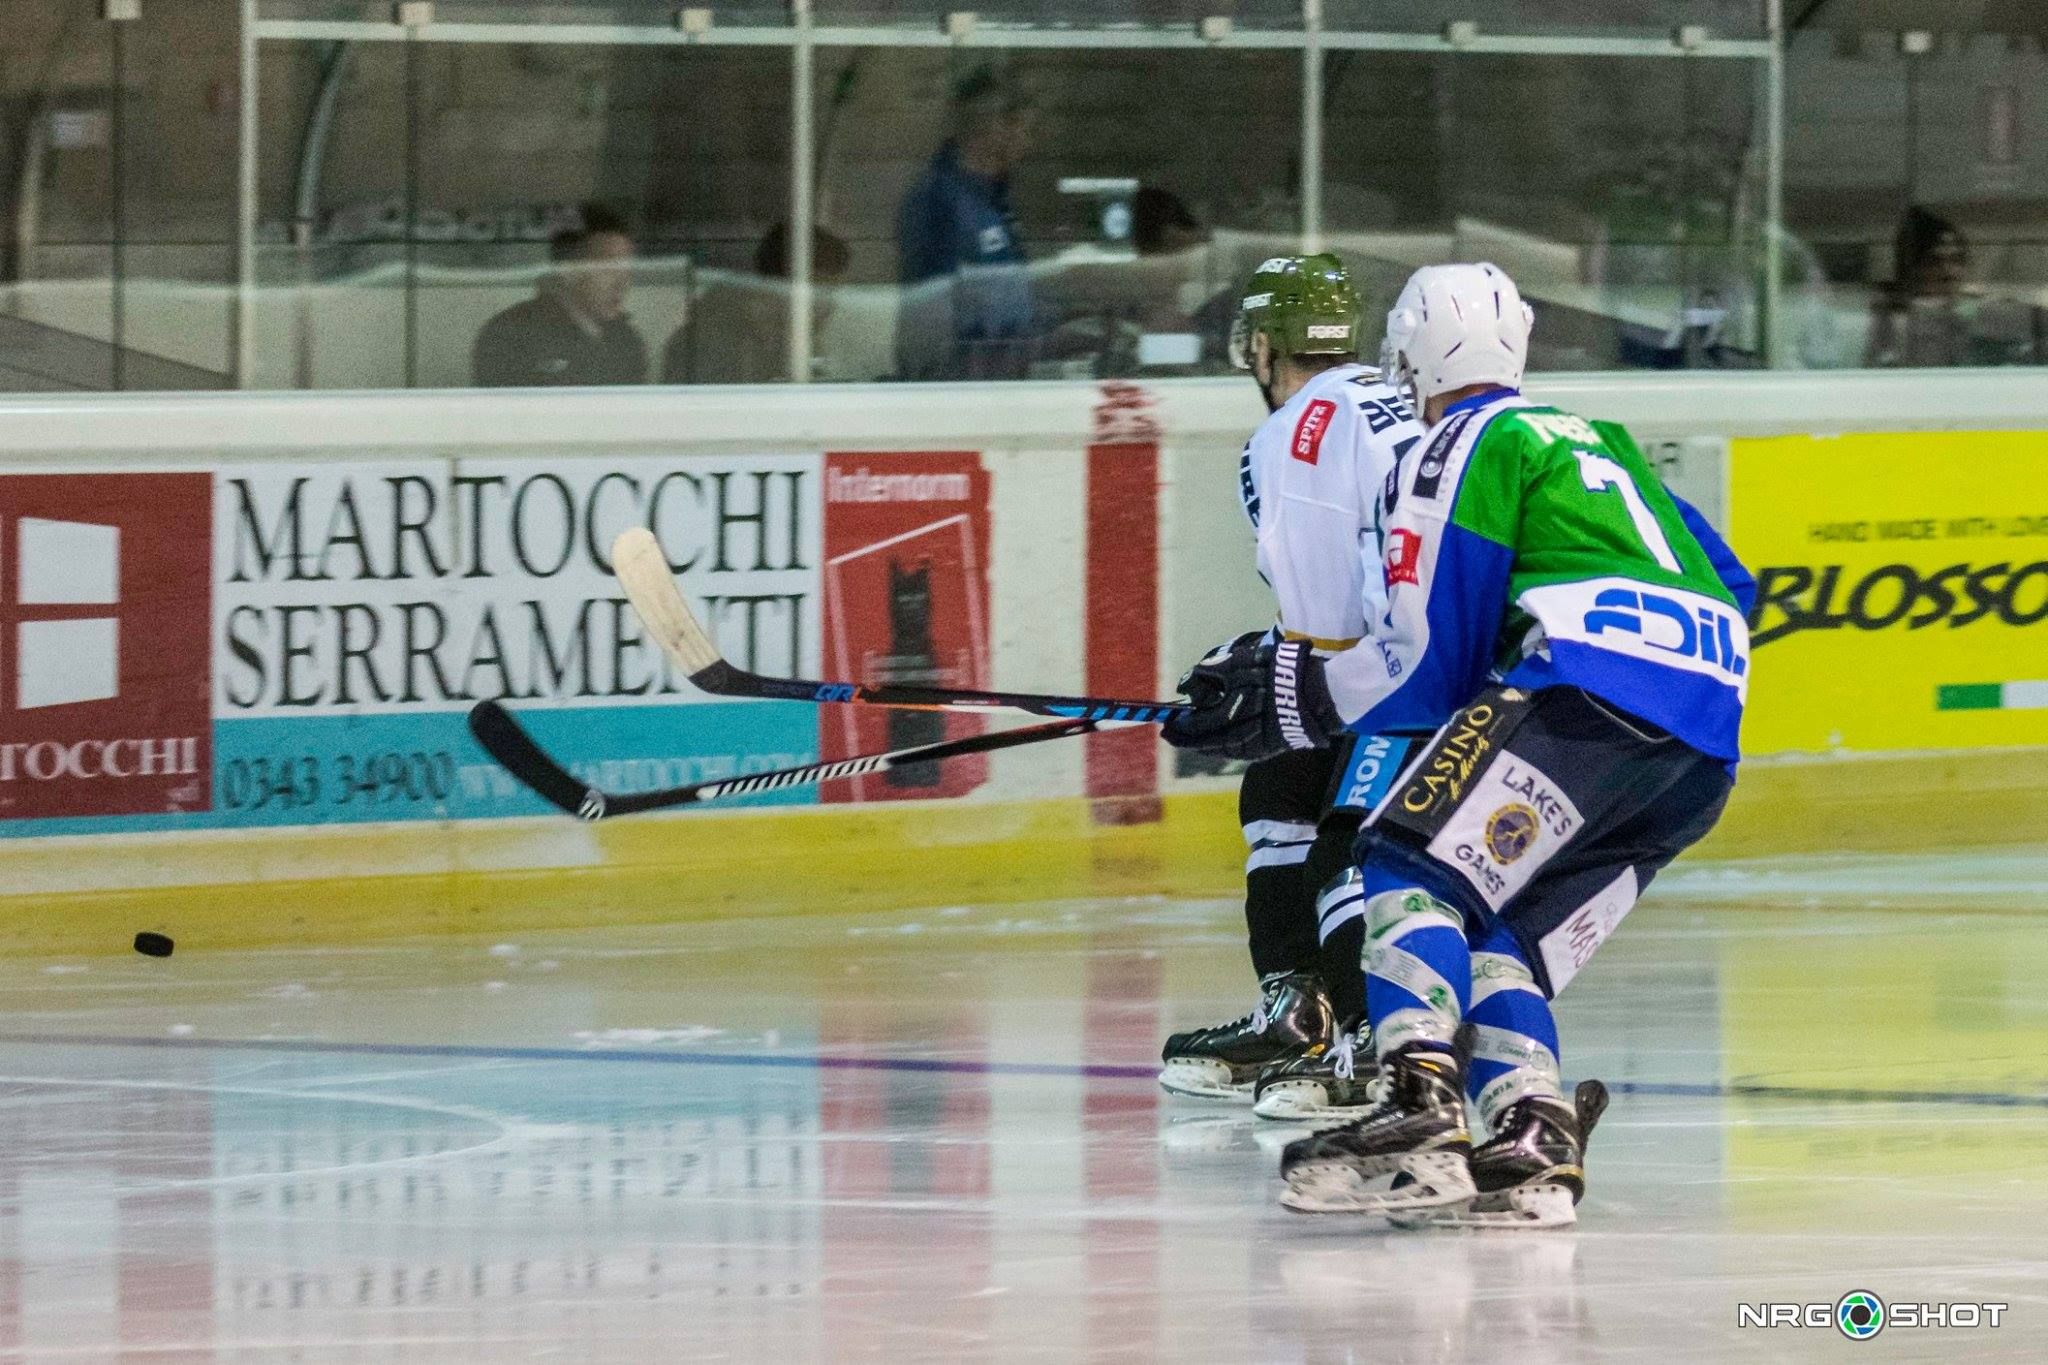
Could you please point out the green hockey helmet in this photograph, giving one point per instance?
(1304, 305)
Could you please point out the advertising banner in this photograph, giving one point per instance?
(104, 644)
(1902, 589)
(907, 601)
(361, 609)
(299, 643)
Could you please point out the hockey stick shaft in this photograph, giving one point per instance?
(643, 571)
(518, 753)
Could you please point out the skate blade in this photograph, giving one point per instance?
(1435, 1180)
(1303, 1102)
(1204, 1080)
(1533, 1208)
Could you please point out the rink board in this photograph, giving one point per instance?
(276, 886)
(239, 636)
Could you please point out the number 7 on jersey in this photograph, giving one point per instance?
(1601, 473)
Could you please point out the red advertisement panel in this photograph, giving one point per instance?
(1123, 624)
(106, 612)
(906, 601)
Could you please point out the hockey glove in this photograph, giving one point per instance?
(1254, 699)
(1201, 684)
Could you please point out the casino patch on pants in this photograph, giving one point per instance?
(1457, 755)
(1551, 810)
(1513, 820)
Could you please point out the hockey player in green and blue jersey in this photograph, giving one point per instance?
(1577, 634)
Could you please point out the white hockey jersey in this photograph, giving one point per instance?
(1311, 477)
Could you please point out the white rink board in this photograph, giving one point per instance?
(1033, 441)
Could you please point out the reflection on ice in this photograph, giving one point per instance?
(785, 1140)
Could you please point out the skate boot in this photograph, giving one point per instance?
(1224, 1062)
(1531, 1174)
(1409, 1152)
(1324, 1085)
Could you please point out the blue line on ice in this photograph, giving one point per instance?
(956, 1066)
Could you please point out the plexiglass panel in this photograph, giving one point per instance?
(501, 214)
(1915, 183)
(1030, 218)
(1623, 194)
(58, 326)
(1048, 189)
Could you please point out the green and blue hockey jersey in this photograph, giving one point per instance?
(1537, 548)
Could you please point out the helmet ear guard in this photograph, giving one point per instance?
(1401, 325)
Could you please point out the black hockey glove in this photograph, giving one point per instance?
(1254, 699)
(1201, 683)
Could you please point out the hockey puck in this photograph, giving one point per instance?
(153, 945)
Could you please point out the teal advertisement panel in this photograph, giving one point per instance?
(326, 770)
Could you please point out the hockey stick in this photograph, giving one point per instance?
(642, 569)
(507, 741)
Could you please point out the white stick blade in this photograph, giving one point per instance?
(642, 569)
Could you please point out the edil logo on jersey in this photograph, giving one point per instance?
(1695, 630)
(1669, 627)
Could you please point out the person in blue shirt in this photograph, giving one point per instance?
(967, 308)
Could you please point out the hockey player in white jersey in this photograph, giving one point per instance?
(1310, 479)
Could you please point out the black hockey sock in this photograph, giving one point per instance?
(1343, 971)
(1282, 936)
(1339, 911)
(1277, 804)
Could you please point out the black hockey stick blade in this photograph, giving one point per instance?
(642, 569)
(506, 740)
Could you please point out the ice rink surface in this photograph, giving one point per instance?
(935, 1136)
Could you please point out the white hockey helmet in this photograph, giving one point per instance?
(1456, 325)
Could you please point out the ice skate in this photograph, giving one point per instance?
(1324, 1085)
(1224, 1062)
(1531, 1174)
(1409, 1152)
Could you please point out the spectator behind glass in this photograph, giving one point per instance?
(1163, 226)
(1929, 315)
(967, 309)
(1916, 319)
(737, 331)
(575, 329)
